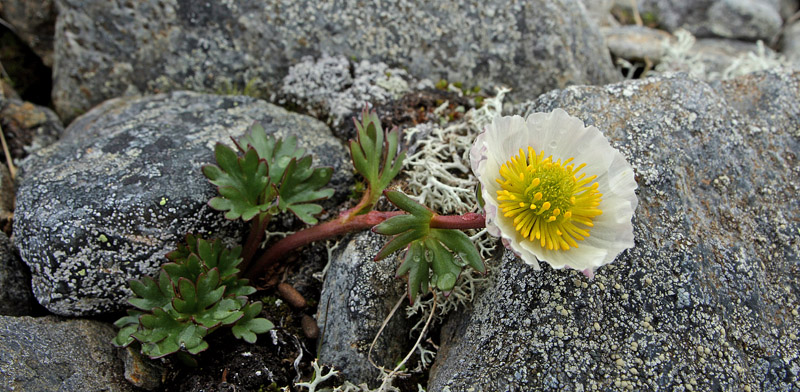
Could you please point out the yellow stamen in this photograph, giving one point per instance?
(559, 187)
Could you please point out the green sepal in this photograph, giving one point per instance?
(400, 241)
(445, 269)
(479, 195)
(400, 223)
(277, 152)
(248, 326)
(301, 185)
(460, 244)
(416, 265)
(405, 203)
(151, 294)
(243, 183)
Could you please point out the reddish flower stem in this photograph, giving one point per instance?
(469, 220)
(336, 227)
(347, 223)
(254, 238)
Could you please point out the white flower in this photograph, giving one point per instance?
(555, 190)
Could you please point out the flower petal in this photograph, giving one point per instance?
(562, 136)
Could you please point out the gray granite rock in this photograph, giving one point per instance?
(35, 22)
(109, 48)
(717, 54)
(742, 19)
(672, 15)
(633, 42)
(52, 354)
(357, 295)
(124, 185)
(708, 297)
(600, 12)
(745, 19)
(791, 43)
(16, 297)
(28, 127)
(332, 88)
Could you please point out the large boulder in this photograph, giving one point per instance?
(105, 49)
(124, 185)
(708, 297)
(52, 354)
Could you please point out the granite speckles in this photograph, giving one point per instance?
(705, 298)
(107, 202)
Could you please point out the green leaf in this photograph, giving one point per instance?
(401, 241)
(415, 264)
(248, 326)
(162, 334)
(277, 152)
(128, 325)
(400, 223)
(375, 155)
(301, 186)
(225, 312)
(460, 244)
(405, 203)
(151, 294)
(445, 269)
(243, 183)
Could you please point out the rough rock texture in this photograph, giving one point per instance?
(51, 354)
(707, 300)
(124, 185)
(16, 298)
(717, 54)
(327, 89)
(633, 42)
(34, 21)
(791, 43)
(177, 44)
(745, 19)
(28, 127)
(357, 295)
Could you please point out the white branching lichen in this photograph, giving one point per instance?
(681, 56)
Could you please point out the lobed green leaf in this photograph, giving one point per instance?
(301, 186)
(243, 183)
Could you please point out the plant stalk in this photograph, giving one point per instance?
(342, 225)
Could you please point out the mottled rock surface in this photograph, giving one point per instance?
(34, 21)
(633, 42)
(743, 19)
(333, 88)
(708, 298)
(16, 298)
(52, 354)
(28, 127)
(791, 43)
(124, 185)
(105, 49)
(357, 295)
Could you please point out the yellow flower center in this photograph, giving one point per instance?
(549, 201)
